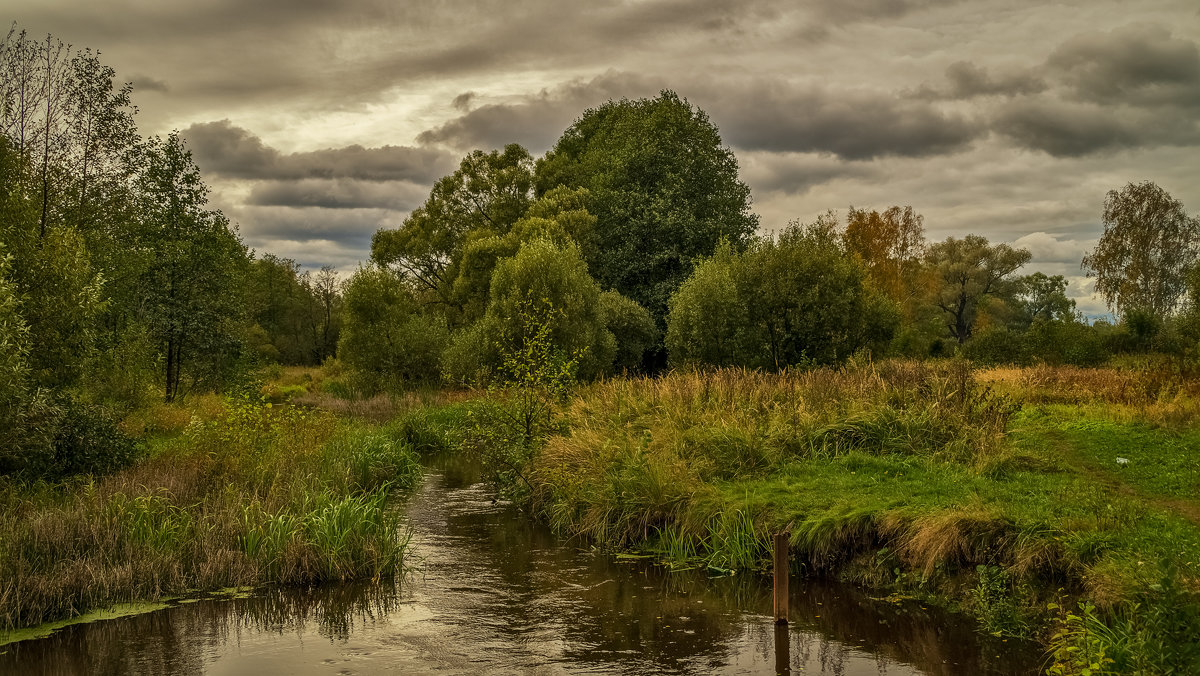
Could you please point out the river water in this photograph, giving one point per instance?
(494, 592)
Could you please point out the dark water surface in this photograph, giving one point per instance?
(496, 593)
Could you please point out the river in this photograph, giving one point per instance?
(492, 591)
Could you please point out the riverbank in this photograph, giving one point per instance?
(1012, 495)
(230, 493)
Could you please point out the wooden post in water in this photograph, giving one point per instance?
(781, 577)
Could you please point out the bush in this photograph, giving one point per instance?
(386, 339)
(88, 441)
(995, 346)
(792, 300)
(631, 326)
(1065, 342)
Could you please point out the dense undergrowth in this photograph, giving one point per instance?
(1010, 494)
(231, 492)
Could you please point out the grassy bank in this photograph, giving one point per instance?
(230, 493)
(999, 492)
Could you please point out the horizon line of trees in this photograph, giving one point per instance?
(630, 246)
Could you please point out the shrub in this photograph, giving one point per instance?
(631, 326)
(995, 346)
(386, 339)
(792, 300)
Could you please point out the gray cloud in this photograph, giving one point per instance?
(1069, 129)
(797, 173)
(339, 194)
(852, 124)
(145, 83)
(870, 10)
(226, 150)
(966, 80)
(535, 120)
(1139, 64)
(347, 227)
(757, 115)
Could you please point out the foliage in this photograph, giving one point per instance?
(662, 186)
(1044, 297)
(890, 246)
(559, 216)
(785, 301)
(967, 271)
(87, 441)
(297, 315)
(551, 282)
(386, 338)
(484, 197)
(534, 377)
(708, 316)
(633, 328)
(1143, 257)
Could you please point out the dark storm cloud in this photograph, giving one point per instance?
(347, 227)
(967, 80)
(1133, 87)
(1072, 129)
(854, 124)
(772, 116)
(1065, 129)
(868, 10)
(797, 173)
(226, 150)
(1136, 64)
(339, 194)
(536, 120)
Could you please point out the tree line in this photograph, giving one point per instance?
(117, 280)
(630, 246)
(632, 239)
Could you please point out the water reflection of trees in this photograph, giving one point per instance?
(508, 594)
(179, 640)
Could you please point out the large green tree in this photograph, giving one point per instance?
(663, 187)
(484, 197)
(792, 299)
(968, 271)
(1148, 246)
(193, 271)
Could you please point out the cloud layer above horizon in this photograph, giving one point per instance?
(319, 121)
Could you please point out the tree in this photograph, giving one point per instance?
(784, 301)
(662, 186)
(1148, 245)
(707, 316)
(483, 197)
(194, 270)
(632, 327)
(967, 271)
(545, 286)
(1044, 297)
(385, 337)
(889, 245)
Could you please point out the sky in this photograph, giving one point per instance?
(317, 122)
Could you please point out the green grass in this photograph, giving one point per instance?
(248, 494)
(995, 493)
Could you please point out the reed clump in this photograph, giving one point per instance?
(248, 494)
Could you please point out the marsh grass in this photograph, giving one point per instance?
(245, 493)
(989, 491)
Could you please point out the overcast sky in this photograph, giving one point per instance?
(317, 122)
